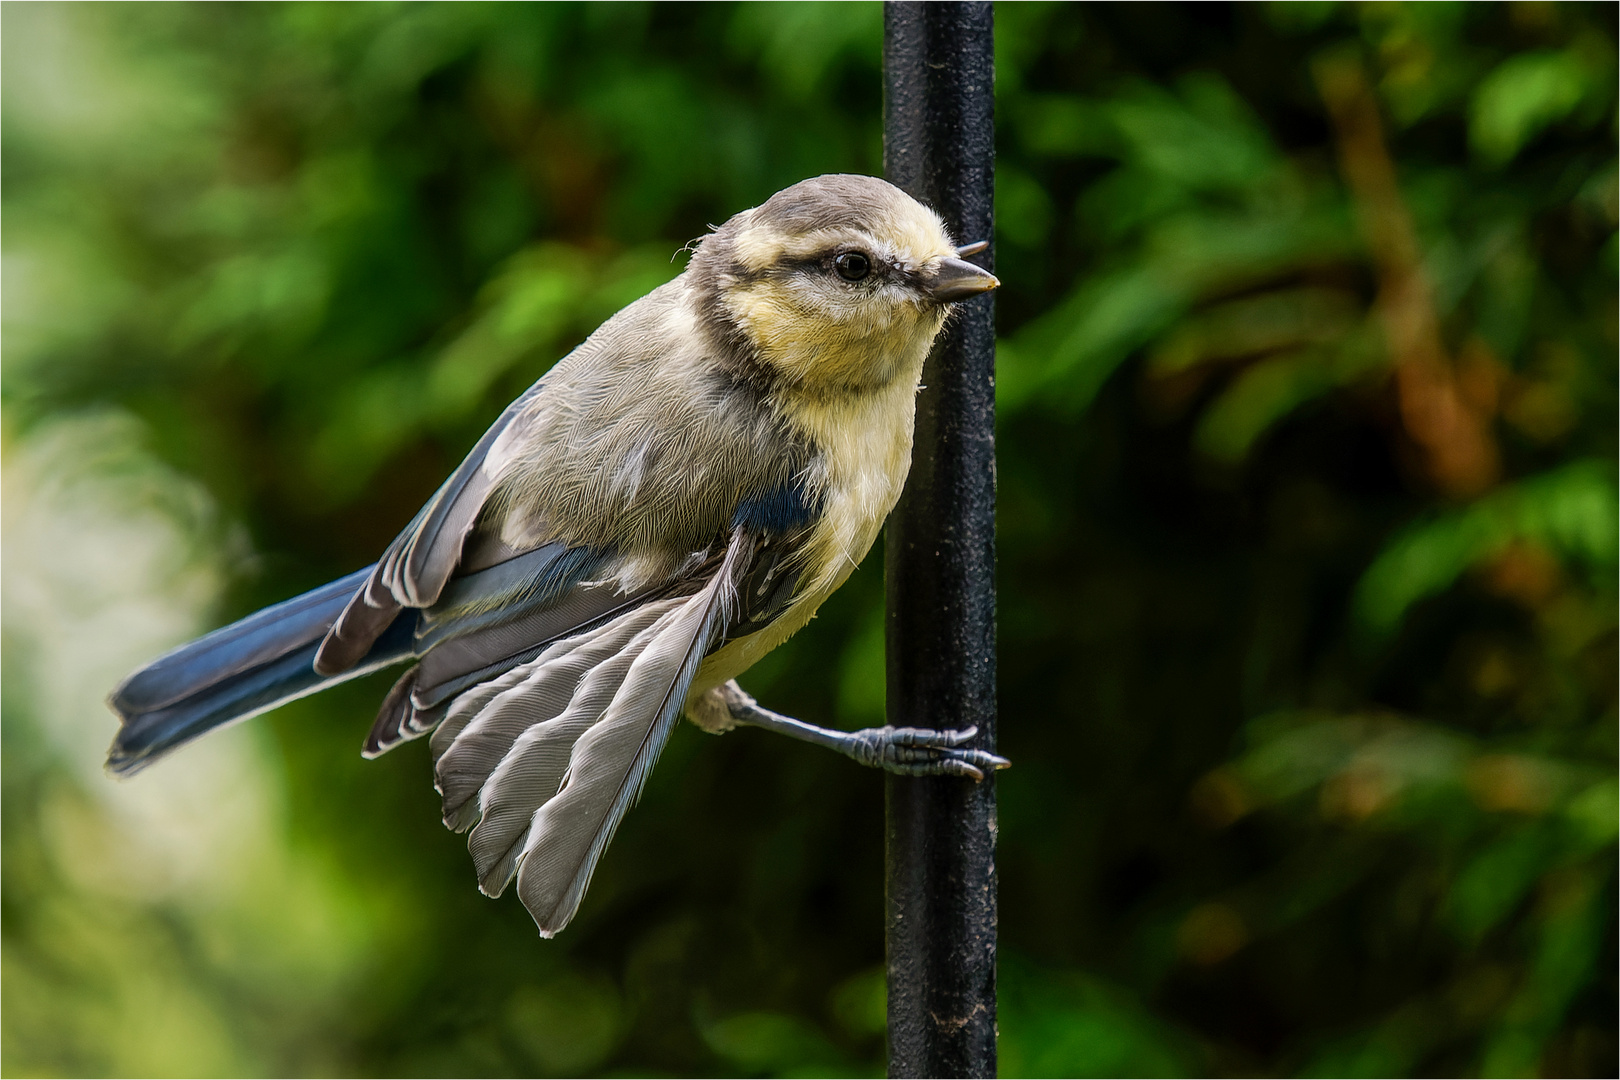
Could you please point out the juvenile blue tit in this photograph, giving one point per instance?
(666, 505)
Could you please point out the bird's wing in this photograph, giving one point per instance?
(418, 564)
(489, 621)
(637, 444)
(768, 585)
(549, 755)
(499, 618)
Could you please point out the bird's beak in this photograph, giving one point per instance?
(957, 279)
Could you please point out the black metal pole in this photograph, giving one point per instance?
(939, 145)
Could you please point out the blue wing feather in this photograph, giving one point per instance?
(484, 623)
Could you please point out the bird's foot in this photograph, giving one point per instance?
(904, 751)
(910, 751)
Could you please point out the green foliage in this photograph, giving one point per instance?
(1571, 510)
(1526, 93)
(1308, 622)
(1071, 1025)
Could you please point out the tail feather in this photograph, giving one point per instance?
(543, 740)
(242, 670)
(248, 643)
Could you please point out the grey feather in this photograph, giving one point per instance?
(418, 564)
(368, 613)
(508, 581)
(641, 442)
(399, 720)
(645, 441)
(460, 807)
(533, 771)
(532, 735)
(464, 710)
(490, 648)
(528, 695)
(611, 761)
(421, 722)
(389, 729)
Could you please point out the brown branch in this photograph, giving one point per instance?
(1451, 432)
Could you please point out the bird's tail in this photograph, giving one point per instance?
(239, 671)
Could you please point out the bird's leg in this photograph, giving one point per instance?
(905, 751)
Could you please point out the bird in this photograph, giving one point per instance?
(669, 502)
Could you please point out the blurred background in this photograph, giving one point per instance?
(1308, 535)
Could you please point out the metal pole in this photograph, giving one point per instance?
(939, 145)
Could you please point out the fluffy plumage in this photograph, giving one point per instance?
(669, 502)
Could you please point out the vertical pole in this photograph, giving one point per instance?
(939, 145)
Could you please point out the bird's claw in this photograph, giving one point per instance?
(909, 751)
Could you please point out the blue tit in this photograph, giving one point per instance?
(667, 504)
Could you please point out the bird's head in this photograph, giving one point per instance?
(838, 283)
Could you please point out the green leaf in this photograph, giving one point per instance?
(1571, 510)
(1520, 98)
(1270, 390)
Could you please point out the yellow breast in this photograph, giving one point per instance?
(865, 443)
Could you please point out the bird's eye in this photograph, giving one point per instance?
(852, 266)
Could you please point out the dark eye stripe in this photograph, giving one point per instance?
(880, 270)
